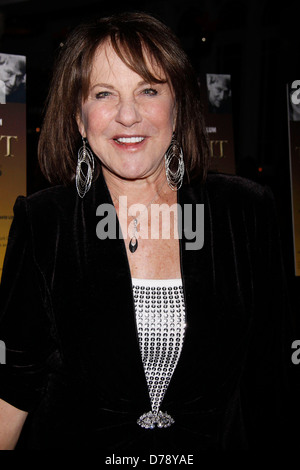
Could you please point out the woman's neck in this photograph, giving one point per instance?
(141, 190)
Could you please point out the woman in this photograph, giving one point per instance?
(116, 339)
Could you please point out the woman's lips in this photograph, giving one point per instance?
(129, 143)
(129, 140)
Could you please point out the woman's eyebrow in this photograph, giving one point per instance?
(103, 85)
(111, 87)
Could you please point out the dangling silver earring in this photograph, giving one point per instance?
(174, 178)
(84, 178)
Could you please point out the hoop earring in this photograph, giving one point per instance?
(84, 178)
(174, 178)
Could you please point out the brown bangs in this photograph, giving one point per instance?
(133, 51)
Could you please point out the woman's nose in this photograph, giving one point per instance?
(128, 113)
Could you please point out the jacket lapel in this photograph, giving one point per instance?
(113, 307)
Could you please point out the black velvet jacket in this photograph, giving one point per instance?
(67, 319)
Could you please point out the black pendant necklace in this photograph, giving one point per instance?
(133, 244)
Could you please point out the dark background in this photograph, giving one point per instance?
(257, 42)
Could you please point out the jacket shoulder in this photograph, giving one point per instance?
(232, 186)
(53, 194)
(224, 192)
(49, 200)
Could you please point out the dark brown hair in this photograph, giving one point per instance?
(130, 35)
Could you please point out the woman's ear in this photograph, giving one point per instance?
(174, 125)
(80, 124)
(175, 117)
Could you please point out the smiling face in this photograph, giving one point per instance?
(127, 121)
(12, 73)
(218, 92)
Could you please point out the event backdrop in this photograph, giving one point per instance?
(12, 140)
(217, 98)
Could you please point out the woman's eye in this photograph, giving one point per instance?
(102, 94)
(150, 91)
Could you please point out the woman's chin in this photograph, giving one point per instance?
(131, 174)
(132, 171)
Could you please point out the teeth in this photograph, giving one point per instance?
(130, 140)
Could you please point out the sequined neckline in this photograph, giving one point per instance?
(160, 320)
(157, 282)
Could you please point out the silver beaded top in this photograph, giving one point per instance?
(160, 320)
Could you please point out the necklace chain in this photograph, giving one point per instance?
(152, 200)
(133, 244)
